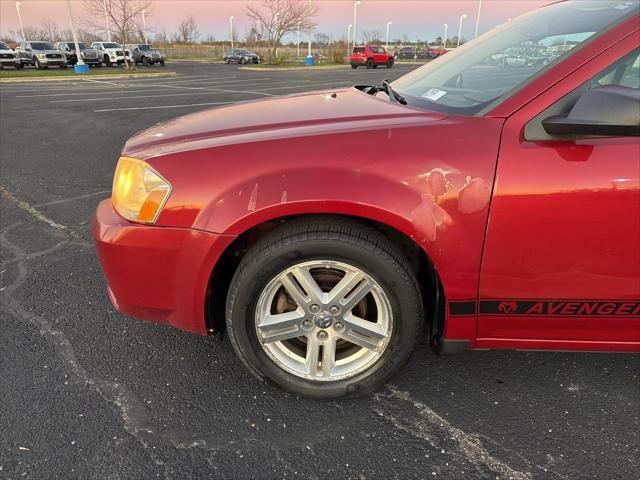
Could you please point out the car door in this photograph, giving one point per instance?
(561, 262)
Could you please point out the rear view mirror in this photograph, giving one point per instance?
(610, 110)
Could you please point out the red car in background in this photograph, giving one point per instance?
(437, 52)
(328, 232)
(370, 56)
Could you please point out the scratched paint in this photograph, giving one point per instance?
(253, 199)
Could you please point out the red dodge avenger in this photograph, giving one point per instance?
(490, 199)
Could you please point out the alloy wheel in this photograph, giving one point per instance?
(323, 320)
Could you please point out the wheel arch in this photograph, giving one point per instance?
(432, 291)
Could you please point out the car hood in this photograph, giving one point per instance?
(307, 114)
(2, 51)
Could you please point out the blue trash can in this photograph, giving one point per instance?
(309, 61)
(81, 69)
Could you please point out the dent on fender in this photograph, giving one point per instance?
(431, 216)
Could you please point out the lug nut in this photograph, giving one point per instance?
(322, 335)
(334, 310)
(307, 324)
(314, 308)
(338, 326)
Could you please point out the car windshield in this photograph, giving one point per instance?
(72, 46)
(358, 50)
(111, 45)
(144, 48)
(4, 46)
(489, 68)
(41, 46)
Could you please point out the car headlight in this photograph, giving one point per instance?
(139, 192)
(42, 55)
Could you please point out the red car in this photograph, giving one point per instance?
(472, 205)
(437, 52)
(370, 56)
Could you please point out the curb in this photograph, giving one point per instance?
(194, 60)
(289, 69)
(85, 77)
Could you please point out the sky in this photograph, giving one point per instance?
(422, 19)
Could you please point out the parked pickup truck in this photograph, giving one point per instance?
(8, 58)
(111, 52)
(90, 56)
(145, 54)
(40, 55)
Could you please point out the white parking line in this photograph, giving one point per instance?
(158, 107)
(99, 81)
(71, 199)
(203, 91)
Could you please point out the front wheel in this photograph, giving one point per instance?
(390, 63)
(38, 65)
(370, 63)
(145, 61)
(162, 63)
(354, 66)
(324, 308)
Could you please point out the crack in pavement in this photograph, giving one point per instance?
(115, 393)
(430, 426)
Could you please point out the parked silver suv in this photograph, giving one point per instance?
(40, 54)
(147, 55)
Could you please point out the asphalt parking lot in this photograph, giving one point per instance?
(88, 393)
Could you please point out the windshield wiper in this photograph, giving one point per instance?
(385, 86)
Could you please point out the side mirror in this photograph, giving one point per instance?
(610, 110)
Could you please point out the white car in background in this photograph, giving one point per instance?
(8, 58)
(112, 52)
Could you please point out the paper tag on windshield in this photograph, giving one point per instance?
(434, 94)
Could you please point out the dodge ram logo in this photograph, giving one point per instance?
(508, 307)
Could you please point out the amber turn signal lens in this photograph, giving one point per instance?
(139, 192)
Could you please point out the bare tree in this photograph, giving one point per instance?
(322, 39)
(125, 18)
(188, 31)
(276, 18)
(372, 36)
(50, 31)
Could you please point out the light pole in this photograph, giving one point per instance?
(106, 19)
(18, 5)
(231, 30)
(464, 15)
(388, 23)
(349, 38)
(355, 16)
(79, 61)
(444, 40)
(298, 55)
(144, 27)
(478, 18)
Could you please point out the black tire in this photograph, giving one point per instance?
(63, 66)
(370, 64)
(162, 63)
(390, 63)
(145, 61)
(19, 66)
(354, 66)
(242, 61)
(38, 65)
(325, 238)
(107, 61)
(227, 61)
